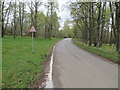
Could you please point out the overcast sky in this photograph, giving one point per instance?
(63, 13)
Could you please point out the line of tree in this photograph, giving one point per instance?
(97, 23)
(52, 23)
(17, 17)
(67, 31)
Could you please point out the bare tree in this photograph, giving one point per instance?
(47, 23)
(15, 18)
(103, 22)
(34, 7)
(98, 24)
(21, 16)
(5, 16)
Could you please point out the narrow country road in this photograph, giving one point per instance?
(76, 68)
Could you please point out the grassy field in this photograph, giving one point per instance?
(105, 51)
(0, 62)
(20, 67)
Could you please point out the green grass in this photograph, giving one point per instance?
(20, 67)
(0, 62)
(105, 51)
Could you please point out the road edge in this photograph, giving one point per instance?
(43, 81)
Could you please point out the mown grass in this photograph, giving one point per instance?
(20, 68)
(105, 51)
(0, 62)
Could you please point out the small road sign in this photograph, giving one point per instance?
(32, 30)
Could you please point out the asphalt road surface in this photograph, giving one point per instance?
(76, 68)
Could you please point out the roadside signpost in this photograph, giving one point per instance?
(32, 30)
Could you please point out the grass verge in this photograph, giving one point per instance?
(21, 68)
(0, 62)
(105, 51)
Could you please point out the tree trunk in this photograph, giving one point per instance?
(20, 16)
(103, 23)
(113, 24)
(15, 25)
(2, 19)
(98, 24)
(117, 4)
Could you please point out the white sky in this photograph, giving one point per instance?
(63, 13)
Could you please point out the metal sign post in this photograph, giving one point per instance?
(32, 30)
(32, 43)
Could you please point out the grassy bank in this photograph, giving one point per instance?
(19, 66)
(105, 51)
